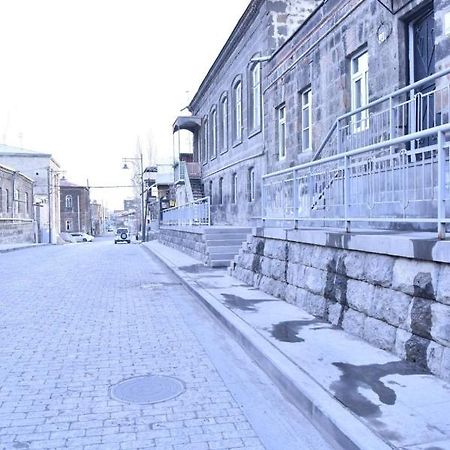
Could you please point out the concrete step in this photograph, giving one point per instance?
(219, 263)
(221, 236)
(224, 242)
(222, 256)
(224, 249)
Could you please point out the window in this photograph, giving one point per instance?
(16, 201)
(205, 141)
(7, 201)
(69, 202)
(224, 123)
(251, 184)
(68, 225)
(281, 118)
(213, 133)
(237, 111)
(220, 191)
(255, 97)
(306, 120)
(234, 188)
(360, 90)
(211, 191)
(27, 203)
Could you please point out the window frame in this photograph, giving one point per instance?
(220, 191)
(281, 131)
(306, 107)
(213, 133)
(68, 201)
(205, 140)
(7, 201)
(234, 188)
(251, 185)
(238, 125)
(255, 97)
(360, 122)
(224, 123)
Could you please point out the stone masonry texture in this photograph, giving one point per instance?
(102, 317)
(397, 304)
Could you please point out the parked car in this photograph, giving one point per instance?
(122, 235)
(82, 237)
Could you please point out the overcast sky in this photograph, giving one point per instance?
(82, 79)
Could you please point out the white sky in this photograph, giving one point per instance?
(82, 79)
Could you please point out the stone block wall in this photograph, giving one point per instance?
(191, 243)
(13, 233)
(397, 304)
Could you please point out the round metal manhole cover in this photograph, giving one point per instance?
(147, 389)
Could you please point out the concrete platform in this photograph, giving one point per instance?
(357, 395)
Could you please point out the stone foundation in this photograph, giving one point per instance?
(396, 303)
(188, 241)
(16, 233)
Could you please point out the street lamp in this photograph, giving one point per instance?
(141, 174)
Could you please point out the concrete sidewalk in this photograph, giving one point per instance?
(357, 395)
(6, 248)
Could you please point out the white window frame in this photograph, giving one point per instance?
(205, 140)
(306, 111)
(224, 123)
(69, 202)
(237, 111)
(359, 75)
(255, 97)
(251, 184)
(281, 131)
(234, 188)
(213, 128)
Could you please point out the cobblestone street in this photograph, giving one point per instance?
(77, 319)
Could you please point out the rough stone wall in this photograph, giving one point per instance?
(188, 242)
(12, 233)
(397, 304)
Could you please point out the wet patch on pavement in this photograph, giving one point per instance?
(243, 304)
(196, 268)
(354, 377)
(287, 331)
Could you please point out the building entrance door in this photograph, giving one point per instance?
(422, 65)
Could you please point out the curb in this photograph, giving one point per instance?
(13, 249)
(338, 424)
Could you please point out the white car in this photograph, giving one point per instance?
(82, 237)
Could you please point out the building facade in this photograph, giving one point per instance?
(227, 110)
(45, 171)
(75, 208)
(273, 96)
(16, 207)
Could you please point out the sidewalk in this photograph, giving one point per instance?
(5, 248)
(357, 395)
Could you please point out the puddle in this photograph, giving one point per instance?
(243, 304)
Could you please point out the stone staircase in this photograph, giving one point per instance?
(223, 244)
(197, 188)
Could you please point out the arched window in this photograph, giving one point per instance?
(213, 133)
(255, 106)
(237, 111)
(205, 140)
(69, 202)
(223, 128)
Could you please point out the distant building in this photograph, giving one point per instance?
(45, 171)
(75, 208)
(16, 207)
(97, 218)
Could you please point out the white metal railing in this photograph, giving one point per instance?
(193, 213)
(405, 111)
(392, 181)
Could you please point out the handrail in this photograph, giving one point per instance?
(399, 140)
(403, 90)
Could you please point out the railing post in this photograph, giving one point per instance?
(346, 180)
(295, 189)
(441, 185)
(391, 121)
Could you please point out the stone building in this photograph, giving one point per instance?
(16, 207)
(45, 171)
(353, 131)
(75, 208)
(227, 111)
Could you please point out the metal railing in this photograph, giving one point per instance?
(193, 213)
(419, 106)
(405, 179)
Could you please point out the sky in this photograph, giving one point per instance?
(85, 79)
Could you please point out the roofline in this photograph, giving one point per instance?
(10, 170)
(224, 54)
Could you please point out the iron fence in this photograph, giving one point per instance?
(194, 213)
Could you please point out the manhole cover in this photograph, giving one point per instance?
(147, 389)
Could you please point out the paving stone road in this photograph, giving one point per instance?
(76, 319)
